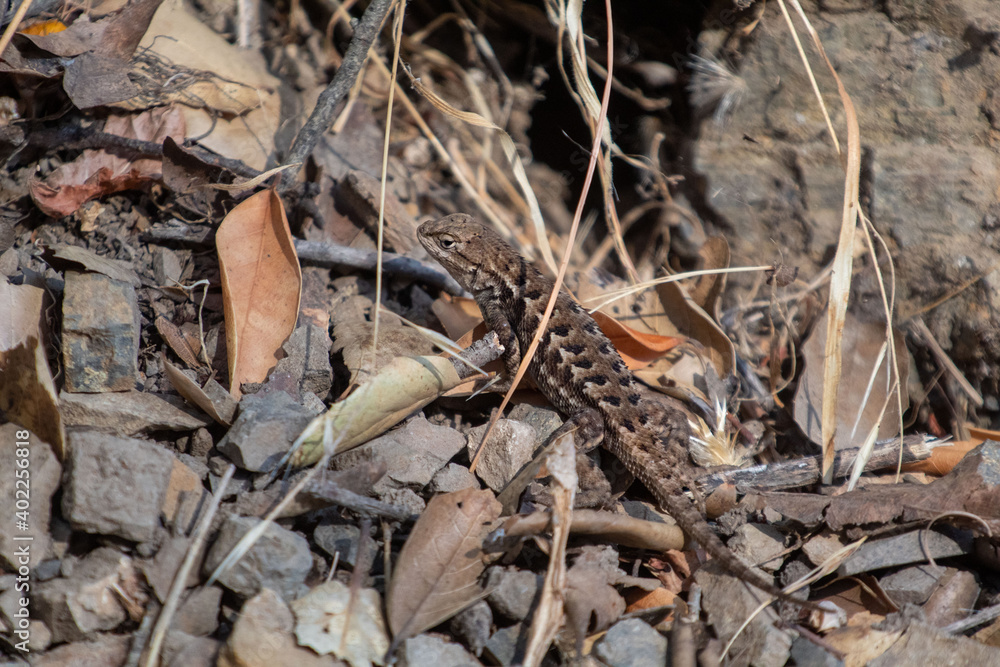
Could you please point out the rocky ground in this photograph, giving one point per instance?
(173, 320)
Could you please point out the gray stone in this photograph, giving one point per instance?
(115, 486)
(453, 477)
(513, 592)
(131, 412)
(75, 607)
(100, 332)
(507, 645)
(198, 615)
(472, 626)
(926, 645)
(182, 650)
(632, 643)
(101, 650)
(759, 544)
(279, 560)
(511, 445)
(544, 420)
(264, 431)
(343, 539)
(201, 443)
(429, 649)
(911, 547)
(911, 584)
(808, 653)
(405, 498)
(43, 474)
(307, 360)
(412, 454)
(166, 266)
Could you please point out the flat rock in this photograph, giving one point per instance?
(427, 649)
(453, 477)
(632, 643)
(100, 333)
(115, 486)
(513, 592)
(343, 538)
(130, 413)
(183, 650)
(472, 625)
(510, 447)
(925, 645)
(760, 544)
(262, 637)
(185, 496)
(198, 615)
(544, 420)
(307, 360)
(507, 645)
(279, 560)
(264, 431)
(911, 547)
(412, 454)
(75, 607)
(101, 650)
(911, 584)
(43, 476)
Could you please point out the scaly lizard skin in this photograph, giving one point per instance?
(578, 369)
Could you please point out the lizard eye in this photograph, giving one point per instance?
(446, 242)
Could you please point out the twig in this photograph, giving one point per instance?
(918, 327)
(984, 615)
(397, 266)
(323, 114)
(803, 471)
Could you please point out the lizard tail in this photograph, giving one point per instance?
(692, 522)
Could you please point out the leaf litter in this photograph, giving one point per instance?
(162, 87)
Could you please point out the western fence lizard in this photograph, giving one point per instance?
(578, 369)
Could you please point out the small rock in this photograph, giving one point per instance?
(412, 454)
(185, 496)
(911, 584)
(166, 266)
(507, 645)
(201, 443)
(545, 421)
(198, 615)
(510, 447)
(116, 486)
(343, 539)
(307, 360)
(262, 637)
(101, 651)
(453, 477)
(131, 412)
(183, 650)
(264, 431)
(472, 626)
(956, 593)
(74, 608)
(632, 643)
(820, 547)
(45, 472)
(924, 645)
(40, 636)
(279, 560)
(198, 465)
(405, 498)
(759, 543)
(808, 652)
(912, 547)
(434, 650)
(513, 592)
(161, 570)
(100, 332)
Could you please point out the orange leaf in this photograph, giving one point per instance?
(457, 314)
(638, 349)
(261, 286)
(943, 459)
(49, 27)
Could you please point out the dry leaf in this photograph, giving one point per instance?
(328, 621)
(261, 286)
(944, 458)
(438, 569)
(221, 411)
(97, 172)
(690, 321)
(28, 395)
(638, 349)
(457, 314)
(705, 290)
(71, 256)
(400, 388)
(861, 346)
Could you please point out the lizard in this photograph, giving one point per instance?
(581, 373)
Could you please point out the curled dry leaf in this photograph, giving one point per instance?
(27, 393)
(261, 286)
(328, 621)
(404, 385)
(220, 408)
(98, 172)
(440, 564)
(613, 528)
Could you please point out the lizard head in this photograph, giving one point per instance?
(466, 249)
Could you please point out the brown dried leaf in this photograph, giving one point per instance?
(71, 256)
(221, 410)
(27, 393)
(861, 345)
(638, 349)
(688, 320)
(98, 172)
(178, 342)
(261, 286)
(440, 564)
(944, 459)
(457, 314)
(705, 290)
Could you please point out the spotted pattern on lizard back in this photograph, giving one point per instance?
(579, 370)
